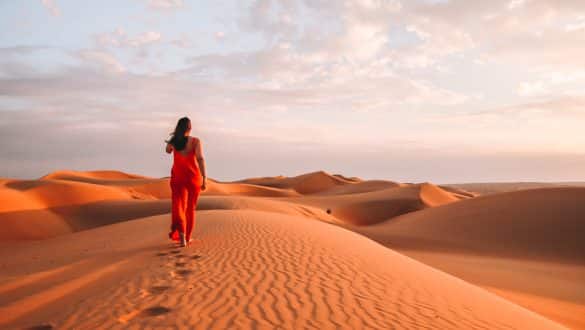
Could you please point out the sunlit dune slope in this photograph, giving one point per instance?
(359, 187)
(250, 269)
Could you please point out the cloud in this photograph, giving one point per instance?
(567, 106)
(182, 42)
(51, 7)
(531, 88)
(102, 60)
(546, 113)
(219, 35)
(554, 82)
(512, 32)
(119, 38)
(575, 26)
(165, 4)
(514, 4)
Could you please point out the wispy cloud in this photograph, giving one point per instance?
(102, 60)
(119, 38)
(52, 7)
(165, 4)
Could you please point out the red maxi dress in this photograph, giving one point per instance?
(185, 186)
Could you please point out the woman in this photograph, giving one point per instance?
(187, 180)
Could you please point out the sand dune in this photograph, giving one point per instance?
(265, 205)
(66, 201)
(248, 270)
(459, 191)
(352, 179)
(309, 183)
(539, 224)
(359, 187)
(499, 241)
(244, 189)
(553, 289)
(270, 257)
(63, 202)
(34, 194)
(89, 176)
(488, 188)
(371, 207)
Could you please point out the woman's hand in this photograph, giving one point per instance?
(203, 186)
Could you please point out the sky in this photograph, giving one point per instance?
(423, 90)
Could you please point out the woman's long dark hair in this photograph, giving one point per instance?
(178, 139)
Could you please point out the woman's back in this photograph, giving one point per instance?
(185, 167)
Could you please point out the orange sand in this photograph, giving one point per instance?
(88, 250)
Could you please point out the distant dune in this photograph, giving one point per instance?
(309, 183)
(488, 188)
(361, 206)
(280, 252)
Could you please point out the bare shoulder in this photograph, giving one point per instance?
(195, 140)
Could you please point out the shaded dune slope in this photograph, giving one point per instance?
(540, 223)
(371, 207)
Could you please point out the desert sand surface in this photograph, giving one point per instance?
(311, 251)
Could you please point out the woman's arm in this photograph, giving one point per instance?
(201, 161)
(169, 148)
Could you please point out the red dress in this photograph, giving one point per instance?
(186, 183)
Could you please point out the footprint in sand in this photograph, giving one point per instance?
(195, 257)
(154, 311)
(175, 251)
(162, 254)
(149, 312)
(41, 327)
(158, 289)
(181, 272)
(180, 264)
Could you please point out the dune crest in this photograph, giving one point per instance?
(432, 195)
(309, 183)
(91, 175)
